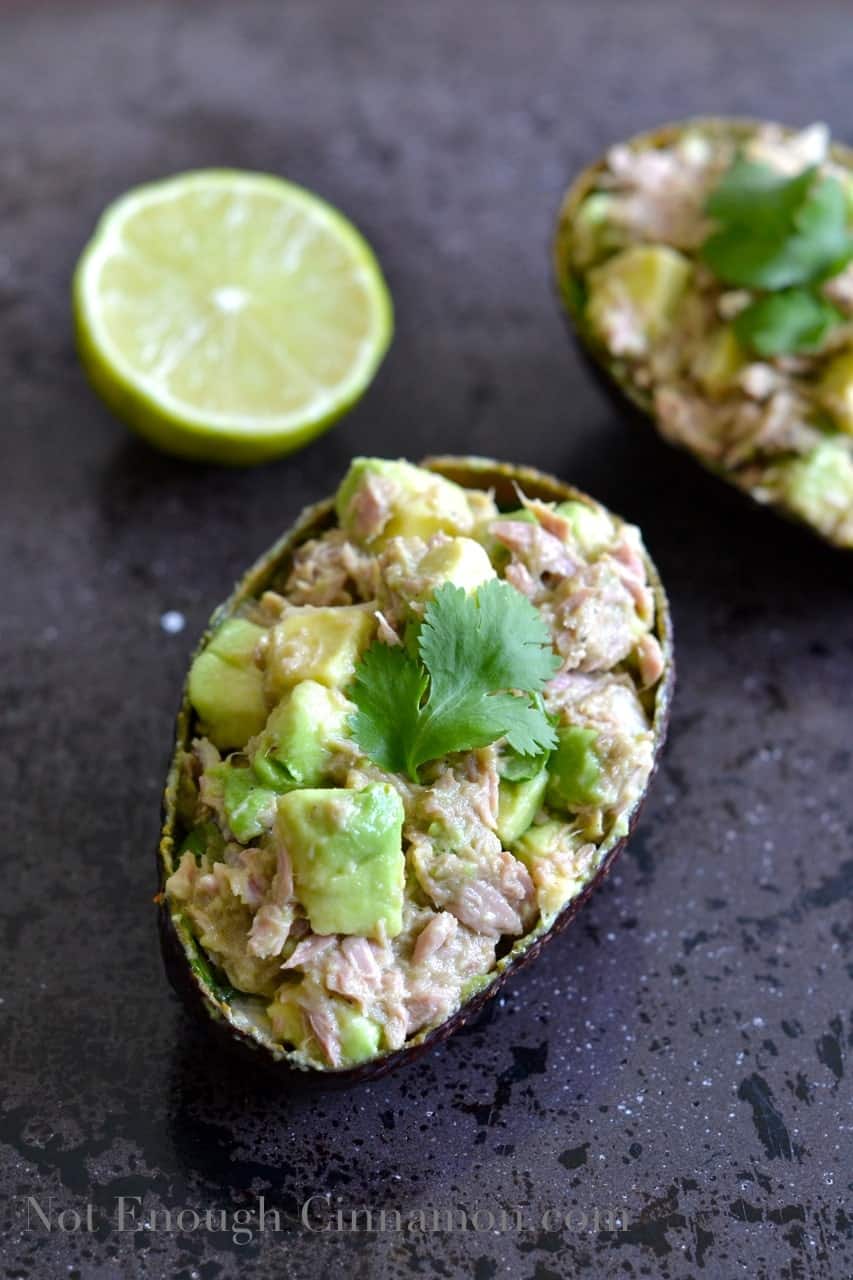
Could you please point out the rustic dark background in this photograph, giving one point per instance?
(681, 1052)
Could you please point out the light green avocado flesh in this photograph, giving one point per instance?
(295, 746)
(249, 807)
(593, 529)
(420, 503)
(575, 769)
(518, 804)
(818, 485)
(347, 856)
(360, 1036)
(226, 687)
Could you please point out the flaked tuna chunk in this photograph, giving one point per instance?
(433, 979)
(270, 930)
(324, 1028)
(594, 617)
(787, 153)
(486, 888)
(537, 549)
(650, 658)
(309, 950)
(248, 872)
(433, 936)
(353, 970)
(660, 192)
(371, 508)
(331, 571)
(182, 882)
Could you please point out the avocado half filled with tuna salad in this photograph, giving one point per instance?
(706, 267)
(411, 742)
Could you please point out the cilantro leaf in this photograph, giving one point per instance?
(754, 195)
(789, 321)
(483, 658)
(387, 691)
(774, 232)
(516, 767)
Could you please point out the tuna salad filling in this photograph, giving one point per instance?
(410, 754)
(710, 267)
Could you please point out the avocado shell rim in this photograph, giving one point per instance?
(611, 373)
(180, 950)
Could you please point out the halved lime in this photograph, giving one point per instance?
(229, 316)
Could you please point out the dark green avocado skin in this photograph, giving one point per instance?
(197, 995)
(629, 401)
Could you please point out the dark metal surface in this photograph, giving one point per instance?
(681, 1053)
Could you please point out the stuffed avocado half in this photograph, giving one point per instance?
(708, 268)
(411, 742)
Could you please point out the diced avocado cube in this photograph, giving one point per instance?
(592, 527)
(317, 644)
(518, 804)
(647, 280)
(249, 808)
(593, 232)
(359, 1036)
(295, 746)
(544, 840)
(347, 856)
(718, 361)
(461, 561)
(226, 687)
(412, 502)
(818, 486)
(575, 769)
(835, 389)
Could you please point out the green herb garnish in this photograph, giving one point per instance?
(774, 232)
(783, 235)
(473, 676)
(791, 320)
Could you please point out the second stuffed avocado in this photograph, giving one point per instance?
(414, 739)
(706, 267)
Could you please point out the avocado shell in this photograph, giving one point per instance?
(186, 965)
(609, 372)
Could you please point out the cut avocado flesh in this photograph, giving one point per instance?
(575, 769)
(226, 687)
(249, 806)
(718, 361)
(592, 528)
(818, 486)
(320, 644)
(418, 503)
(296, 744)
(460, 561)
(649, 279)
(518, 804)
(347, 856)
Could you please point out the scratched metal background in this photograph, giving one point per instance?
(681, 1053)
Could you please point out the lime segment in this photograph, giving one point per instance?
(229, 316)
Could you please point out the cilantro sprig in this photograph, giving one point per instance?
(474, 674)
(782, 236)
(779, 323)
